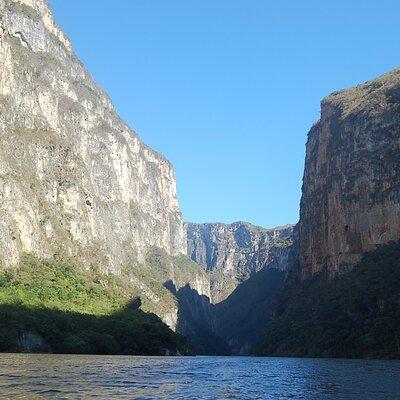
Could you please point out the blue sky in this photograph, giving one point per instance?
(228, 89)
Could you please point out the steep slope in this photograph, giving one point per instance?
(73, 176)
(243, 316)
(75, 180)
(353, 315)
(58, 306)
(342, 298)
(351, 187)
(246, 265)
(198, 321)
(233, 252)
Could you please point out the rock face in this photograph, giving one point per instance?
(233, 252)
(246, 266)
(351, 187)
(73, 176)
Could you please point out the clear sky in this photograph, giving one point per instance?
(228, 89)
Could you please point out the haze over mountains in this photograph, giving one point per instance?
(80, 192)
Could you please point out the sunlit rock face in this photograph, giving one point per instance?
(233, 252)
(351, 188)
(73, 176)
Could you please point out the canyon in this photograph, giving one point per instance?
(77, 183)
(79, 187)
(246, 266)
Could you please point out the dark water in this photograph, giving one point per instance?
(109, 377)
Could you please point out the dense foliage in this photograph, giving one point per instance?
(77, 311)
(354, 315)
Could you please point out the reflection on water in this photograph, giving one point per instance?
(24, 376)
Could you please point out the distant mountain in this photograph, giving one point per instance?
(234, 252)
(246, 266)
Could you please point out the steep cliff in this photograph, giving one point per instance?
(351, 187)
(75, 181)
(242, 317)
(233, 252)
(246, 266)
(342, 299)
(74, 178)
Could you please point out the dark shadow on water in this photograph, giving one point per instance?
(128, 331)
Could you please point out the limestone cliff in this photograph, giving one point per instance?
(74, 177)
(351, 187)
(233, 252)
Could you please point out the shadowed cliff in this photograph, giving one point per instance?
(197, 321)
(129, 331)
(233, 326)
(243, 316)
(354, 315)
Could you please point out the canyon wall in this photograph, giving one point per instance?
(234, 252)
(74, 178)
(351, 188)
(342, 298)
(246, 266)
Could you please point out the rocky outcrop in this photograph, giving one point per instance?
(233, 252)
(351, 188)
(74, 177)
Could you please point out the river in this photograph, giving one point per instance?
(27, 376)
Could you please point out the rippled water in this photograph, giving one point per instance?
(108, 377)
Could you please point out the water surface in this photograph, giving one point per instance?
(24, 376)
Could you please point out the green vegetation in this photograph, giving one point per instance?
(62, 284)
(78, 311)
(158, 269)
(355, 315)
